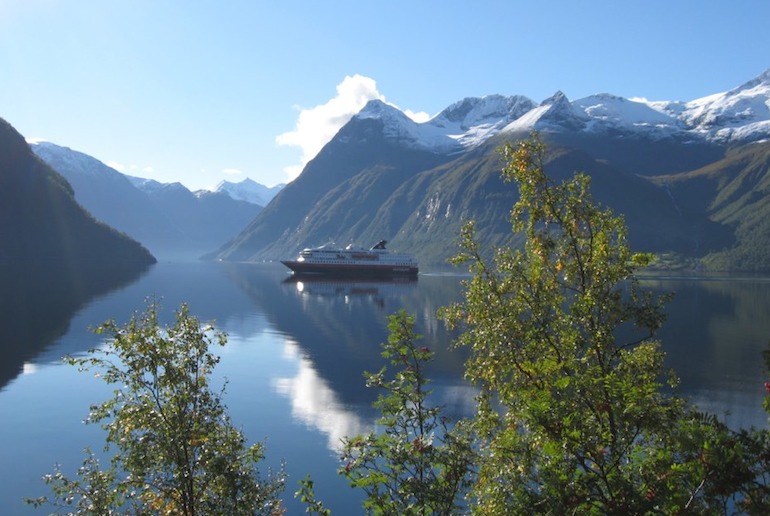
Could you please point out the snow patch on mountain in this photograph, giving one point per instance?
(618, 112)
(473, 112)
(473, 120)
(249, 191)
(398, 126)
(149, 186)
(64, 158)
(555, 112)
(157, 190)
(529, 121)
(740, 114)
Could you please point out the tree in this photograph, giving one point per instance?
(572, 415)
(417, 465)
(176, 450)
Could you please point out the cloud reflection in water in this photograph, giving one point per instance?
(315, 404)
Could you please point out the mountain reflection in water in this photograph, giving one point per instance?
(37, 303)
(337, 325)
(296, 354)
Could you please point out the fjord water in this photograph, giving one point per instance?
(295, 356)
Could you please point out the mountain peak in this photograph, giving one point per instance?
(557, 112)
(377, 109)
(760, 80)
(397, 126)
(248, 190)
(489, 110)
(556, 98)
(609, 110)
(246, 183)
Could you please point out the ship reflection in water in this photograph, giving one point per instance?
(376, 289)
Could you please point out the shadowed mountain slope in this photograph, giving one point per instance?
(40, 221)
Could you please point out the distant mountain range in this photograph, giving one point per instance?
(169, 219)
(691, 178)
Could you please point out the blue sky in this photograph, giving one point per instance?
(197, 91)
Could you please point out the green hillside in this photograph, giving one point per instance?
(735, 193)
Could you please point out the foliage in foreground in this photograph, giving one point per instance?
(573, 416)
(417, 464)
(175, 448)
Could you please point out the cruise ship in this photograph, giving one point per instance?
(353, 260)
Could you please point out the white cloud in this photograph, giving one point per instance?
(316, 404)
(131, 169)
(232, 172)
(317, 125)
(294, 170)
(419, 117)
(117, 166)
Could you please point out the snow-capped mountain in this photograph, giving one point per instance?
(473, 120)
(466, 123)
(66, 159)
(741, 114)
(679, 172)
(397, 126)
(249, 191)
(151, 186)
(613, 111)
(167, 218)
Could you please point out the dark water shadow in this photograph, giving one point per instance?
(37, 303)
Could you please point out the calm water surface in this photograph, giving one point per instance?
(295, 356)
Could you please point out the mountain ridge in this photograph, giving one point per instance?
(172, 221)
(385, 176)
(712, 118)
